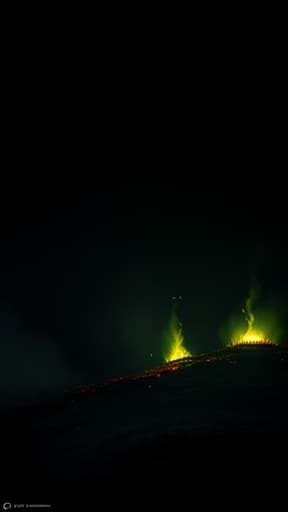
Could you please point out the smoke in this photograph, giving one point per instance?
(249, 303)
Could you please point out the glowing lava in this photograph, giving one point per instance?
(176, 339)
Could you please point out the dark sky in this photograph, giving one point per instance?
(88, 268)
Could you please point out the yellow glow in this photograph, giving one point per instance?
(251, 336)
(176, 338)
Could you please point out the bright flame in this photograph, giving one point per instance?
(177, 350)
(251, 335)
(176, 338)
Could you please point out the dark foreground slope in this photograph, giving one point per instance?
(209, 416)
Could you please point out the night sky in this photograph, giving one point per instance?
(88, 269)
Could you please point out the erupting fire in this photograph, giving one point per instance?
(177, 350)
(176, 338)
(251, 336)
